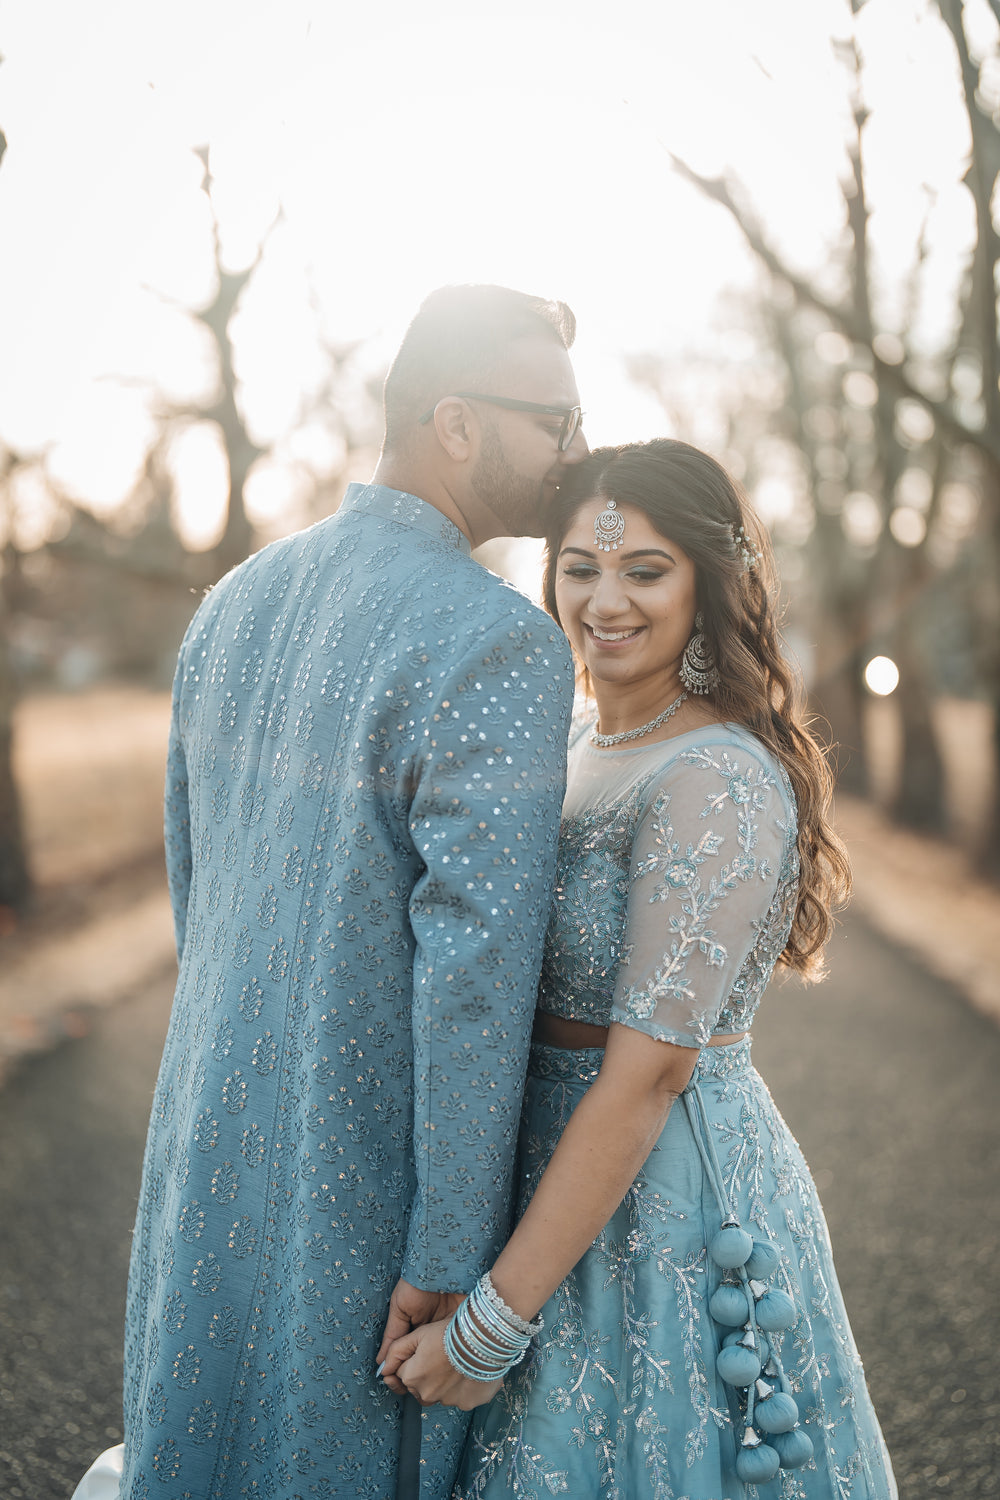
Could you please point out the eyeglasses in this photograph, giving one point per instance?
(572, 416)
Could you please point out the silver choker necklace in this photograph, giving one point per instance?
(604, 740)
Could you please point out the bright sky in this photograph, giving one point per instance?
(411, 145)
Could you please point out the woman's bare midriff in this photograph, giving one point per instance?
(556, 1031)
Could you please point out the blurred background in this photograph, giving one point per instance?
(777, 224)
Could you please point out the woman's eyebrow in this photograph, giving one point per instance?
(625, 556)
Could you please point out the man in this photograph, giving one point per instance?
(364, 783)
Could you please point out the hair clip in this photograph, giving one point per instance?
(609, 528)
(749, 552)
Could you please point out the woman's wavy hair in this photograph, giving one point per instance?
(691, 500)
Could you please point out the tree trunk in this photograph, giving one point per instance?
(241, 451)
(918, 800)
(989, 666)
(15, 882)
(237, 539)
(981, 180)
(837, 700)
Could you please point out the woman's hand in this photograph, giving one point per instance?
(417, 1363)
(409, 1307)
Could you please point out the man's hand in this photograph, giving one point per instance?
(417, 1363)
(410, 1308)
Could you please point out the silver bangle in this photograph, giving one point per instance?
(510, 1317)
(485, 1338)
(458, 1360)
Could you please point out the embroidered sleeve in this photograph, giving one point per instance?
(706, 862)
(484, 818)
(177, 824)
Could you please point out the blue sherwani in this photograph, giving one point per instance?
(363, 793)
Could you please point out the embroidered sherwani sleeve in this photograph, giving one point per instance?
(705, 870)
(484, 819)
(176, 819)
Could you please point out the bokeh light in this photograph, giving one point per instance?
(881, 676)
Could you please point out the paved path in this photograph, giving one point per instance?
(886, 1075)
(890, 1082)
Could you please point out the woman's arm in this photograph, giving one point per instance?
(600, 1153)
(608, 1138)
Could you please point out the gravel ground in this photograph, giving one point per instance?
(888, 1079)
(72, 1130)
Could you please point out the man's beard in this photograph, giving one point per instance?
(516, 500)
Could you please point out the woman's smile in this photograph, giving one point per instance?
(612, 637)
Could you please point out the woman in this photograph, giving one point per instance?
(695, 1342)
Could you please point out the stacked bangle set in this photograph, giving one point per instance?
(485, 1337)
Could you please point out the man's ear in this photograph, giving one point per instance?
(456, 428)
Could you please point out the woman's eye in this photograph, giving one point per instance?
(580, 571)
(645, 575)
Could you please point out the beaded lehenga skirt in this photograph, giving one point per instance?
(621, 1397)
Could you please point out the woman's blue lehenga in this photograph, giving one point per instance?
(676, 887)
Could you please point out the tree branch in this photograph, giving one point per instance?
(844, 318)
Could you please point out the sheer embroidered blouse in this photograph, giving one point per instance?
(676, 885)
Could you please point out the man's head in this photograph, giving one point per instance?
(481, 404)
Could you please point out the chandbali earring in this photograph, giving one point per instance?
(698, 672)
(609, 528)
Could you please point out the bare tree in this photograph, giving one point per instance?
(898, 573)
(981, 180)
(241, 451)
(893, 585)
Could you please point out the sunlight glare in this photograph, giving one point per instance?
(31, 514)
(277, 495)
(196, 461)
(104, 474)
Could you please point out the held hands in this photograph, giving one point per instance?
(410, 1307)
(418, 1363)
(457, 1361)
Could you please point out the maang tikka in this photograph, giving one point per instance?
(609, 528)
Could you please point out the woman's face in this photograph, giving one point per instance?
(630, 613)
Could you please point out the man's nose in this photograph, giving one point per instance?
(577, 450)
